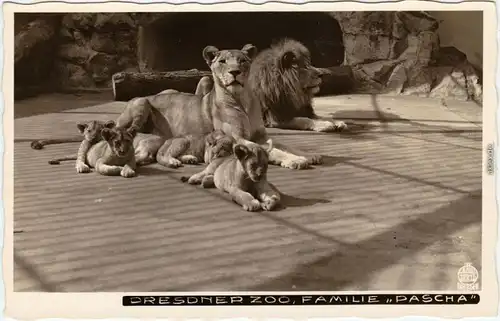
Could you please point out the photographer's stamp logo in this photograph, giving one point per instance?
(467, 278)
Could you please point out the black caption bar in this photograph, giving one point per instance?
(209, 300)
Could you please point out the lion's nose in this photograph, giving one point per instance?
(235, 72)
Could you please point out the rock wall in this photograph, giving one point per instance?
(35, 45)
(400, 53)
(94, 46)
(388, 52)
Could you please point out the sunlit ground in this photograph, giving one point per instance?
(396, 206)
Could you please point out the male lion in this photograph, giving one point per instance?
(282, 82)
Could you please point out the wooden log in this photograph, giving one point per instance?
(127, 85)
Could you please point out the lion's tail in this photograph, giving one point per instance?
(38, 144)
(57, 161)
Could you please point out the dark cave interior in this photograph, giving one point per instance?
(176, 41)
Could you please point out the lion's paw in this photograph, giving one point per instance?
(127, 172)
(82, 168)
(189, 159)
(295, 163)
(340, 126)
(194, 180)
(269, 204)
(252, 206)
(174, 163)
(142, 158)
(323, 126)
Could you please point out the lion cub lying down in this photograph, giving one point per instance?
(194, 149)
(114, 155)
(243, 175)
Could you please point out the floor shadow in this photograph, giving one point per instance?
(355, 264)
(434, 141)
(406, 177)
(330, 161)
(370, 115)
(57, 102)
(147, 170)
(356, 130)
(33, 274)
(364, 117)
(464, 134)
(292, 201)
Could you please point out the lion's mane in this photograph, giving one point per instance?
(276, 85)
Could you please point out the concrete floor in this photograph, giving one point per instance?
(396, 206)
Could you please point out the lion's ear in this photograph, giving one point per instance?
(249, 50)
(107, 134)
(241, 151)
(210, 139)
(269, 146)
(288, 60)
(109, 124)
(209, 54)
(132, 131)
(81, 127)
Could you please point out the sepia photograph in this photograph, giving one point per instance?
(268, 151)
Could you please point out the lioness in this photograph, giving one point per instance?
(223, 108)
(243, 175)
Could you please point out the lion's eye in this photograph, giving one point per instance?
(222, 61)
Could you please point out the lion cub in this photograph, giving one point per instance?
(91, 132)
(146, 146)
(243, 175)
(115, 155)
(194, 149)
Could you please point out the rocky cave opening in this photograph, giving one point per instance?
(176, 41)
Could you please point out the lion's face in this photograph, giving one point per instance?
(297, 61)
(217, 144)
(120, 140)
(92, 130)
(310, 79)
(283, 81)
(230, 67)
(254, 159)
